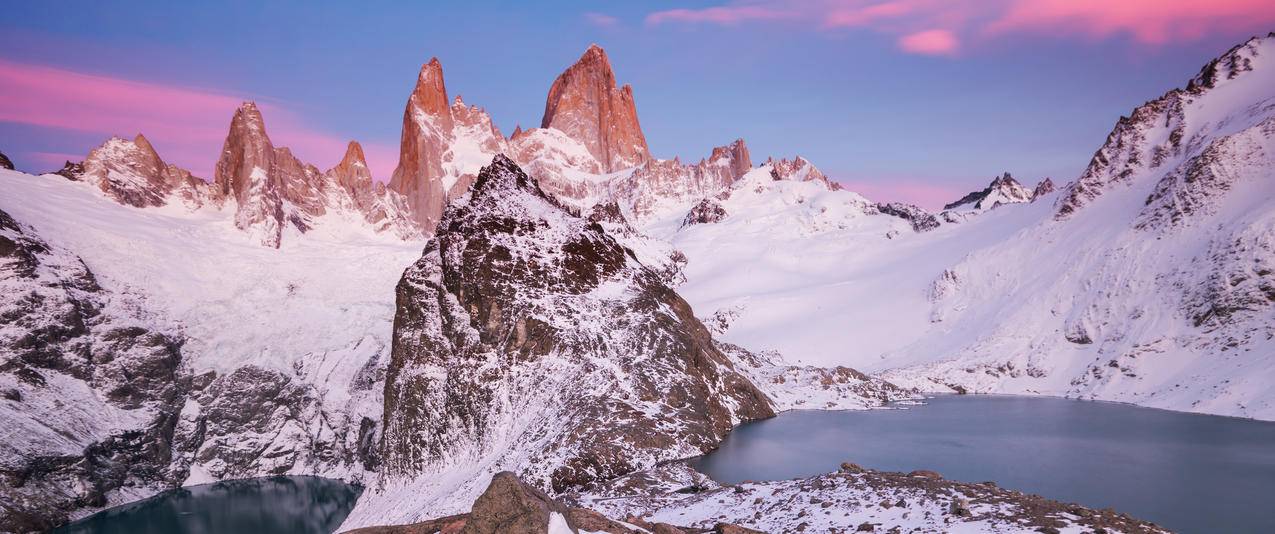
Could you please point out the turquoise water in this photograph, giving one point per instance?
(276, 505)
(1191, 473)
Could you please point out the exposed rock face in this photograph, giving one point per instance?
(708, 211)
(4, 162)
(659, 185)
(248, 174)
(132, 173)
(70, 170)
(585, 104)
(274, 191)
(530, 338)
(442, 147)
(1162, 134)
(427, 124)
(1043, 188)
(353, 176)
(90, 390)
(922, 221)
(349, 186)
(512, 507)
(1004, 189)
(801, 170)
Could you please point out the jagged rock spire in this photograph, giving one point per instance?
(427, 128)
(260, 178)
(430, 94)
(352, 175)
(585, 104)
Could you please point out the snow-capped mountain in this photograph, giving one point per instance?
(443, 146)
(132, 173)
(527, 338)
(1150, 278)
(1146, 280)
(1004, 189)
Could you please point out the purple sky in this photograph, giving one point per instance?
(918, 100)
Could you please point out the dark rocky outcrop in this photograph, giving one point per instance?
(91, 393)
(922, 221)
(511, 507)
(71, 171)
(1043, 188)
(707, 211)
(519, 306)
(4, 162)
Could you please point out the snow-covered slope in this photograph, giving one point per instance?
(1153, 279)
(89, 385)
(814, 273)
(287, 346)
(1147, 280)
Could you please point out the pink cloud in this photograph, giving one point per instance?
(187, 125)
(929, 42)
(1150, 22)
(940, 26)
(601, 20)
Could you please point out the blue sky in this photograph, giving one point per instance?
(855, 99)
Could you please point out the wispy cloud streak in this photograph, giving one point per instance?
(940, 27)
(187, 125)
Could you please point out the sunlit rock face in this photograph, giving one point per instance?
(585, 104)
(442, 147)
(131, 172)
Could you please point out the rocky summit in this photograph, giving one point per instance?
(585, 104)
(528, 338)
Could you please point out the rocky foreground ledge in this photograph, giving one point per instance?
(676, 499)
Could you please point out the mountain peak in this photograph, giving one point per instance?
(430, 94)
(1235, 62)
(595, 54)
(353, 155)
(585, 103)
(145, 146)
(504, 175)
(1043, 188)
(1003, 189)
